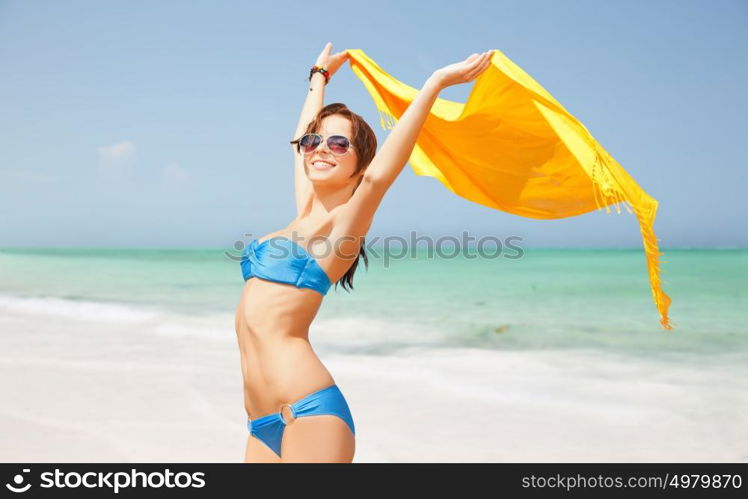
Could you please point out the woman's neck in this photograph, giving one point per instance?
(323, 201)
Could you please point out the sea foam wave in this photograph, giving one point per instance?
(76, 309)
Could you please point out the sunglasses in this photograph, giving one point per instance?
(337, 144)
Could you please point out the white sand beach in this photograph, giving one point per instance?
(146, 390)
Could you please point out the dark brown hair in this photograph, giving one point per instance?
(365, 144)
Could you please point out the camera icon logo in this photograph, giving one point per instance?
(18, 481)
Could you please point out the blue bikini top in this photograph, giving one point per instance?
(284, 262)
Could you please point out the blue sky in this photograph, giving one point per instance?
(166, 123)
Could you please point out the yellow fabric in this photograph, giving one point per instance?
(513, 147)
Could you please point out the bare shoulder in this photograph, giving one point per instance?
(344, 240)
(352, 219)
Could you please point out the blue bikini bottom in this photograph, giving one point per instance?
(330, 400)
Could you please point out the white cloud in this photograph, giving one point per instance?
(118, 151)
(177, 178)
(117, 162)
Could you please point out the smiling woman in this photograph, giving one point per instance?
(328, 159)
(295, 409)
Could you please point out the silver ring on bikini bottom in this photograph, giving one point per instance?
(280, 412)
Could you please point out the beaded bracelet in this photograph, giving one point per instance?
(319, 69)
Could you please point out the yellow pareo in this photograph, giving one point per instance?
(513, 147)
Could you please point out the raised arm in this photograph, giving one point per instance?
(314, 102)
(356, 215)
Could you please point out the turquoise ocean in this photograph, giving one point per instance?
(556, 355)
(591, 299)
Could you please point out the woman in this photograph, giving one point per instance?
(295, 410)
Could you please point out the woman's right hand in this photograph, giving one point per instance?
(331, 62)
(463, 71)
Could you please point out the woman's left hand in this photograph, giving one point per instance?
(331, 62)
(463, 71)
